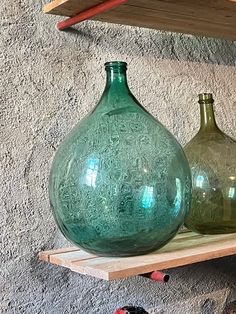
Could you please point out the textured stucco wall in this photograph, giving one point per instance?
(49, 81)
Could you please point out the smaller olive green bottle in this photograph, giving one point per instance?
(212, 158)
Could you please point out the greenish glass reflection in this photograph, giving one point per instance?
(120, 183)
(212, 158)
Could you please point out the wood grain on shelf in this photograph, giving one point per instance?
(184, 249)
(216, 18)
(69, 7)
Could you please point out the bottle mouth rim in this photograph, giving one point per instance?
(115, 64)
(204, 98)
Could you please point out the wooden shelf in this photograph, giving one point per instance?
(185, 248)
(214, 18)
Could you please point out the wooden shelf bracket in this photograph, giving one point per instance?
(88, 13)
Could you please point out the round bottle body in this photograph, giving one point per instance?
(120, 183)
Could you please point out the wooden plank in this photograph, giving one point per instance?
(184, 249)
(45, 255)
(215, 18)
(69, 7)
(117, 269)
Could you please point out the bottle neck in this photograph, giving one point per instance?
(116, 81)
(208, 121)
(116, 95)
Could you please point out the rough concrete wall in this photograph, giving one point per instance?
(49, 81)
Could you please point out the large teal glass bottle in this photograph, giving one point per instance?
(120, 183)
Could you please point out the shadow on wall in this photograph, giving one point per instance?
(230, 309)
(162, 45)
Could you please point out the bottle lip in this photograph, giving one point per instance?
(116, 65)
(205, 98)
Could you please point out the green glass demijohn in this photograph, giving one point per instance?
(212, 159)
(120, 183)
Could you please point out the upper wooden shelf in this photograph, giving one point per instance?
(214, 18)
(185, 248)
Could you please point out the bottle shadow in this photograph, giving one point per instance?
(137, 41)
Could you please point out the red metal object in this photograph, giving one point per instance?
(119, 311)
(158, 276)
(87, 14)
(131, 310)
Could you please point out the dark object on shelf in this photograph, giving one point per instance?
(131, 310)
(120, 183)
(212, 158)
